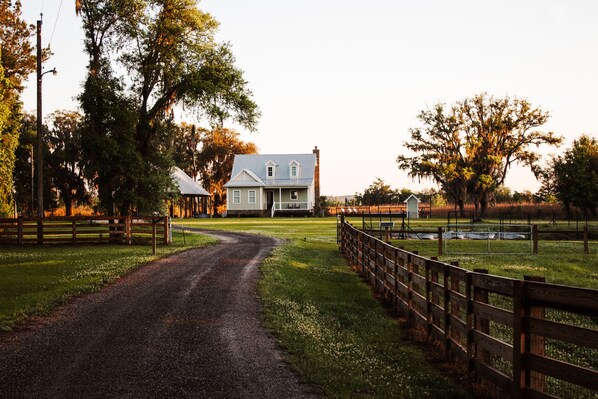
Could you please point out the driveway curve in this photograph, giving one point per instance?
(187, 326)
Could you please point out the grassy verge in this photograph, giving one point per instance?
(338, 336)
(35, 279)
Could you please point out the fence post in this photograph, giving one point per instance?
(74, 230)
(166, 230)
(535, 238)
(482, 325)
(429, 300)
(20, 230)
(434, 279)
(586, 247)
(40, 231)
(440, 243)
(396, 277)
(435, 299)
(128, 221)
(340, 233)
(447, 315)
(362, 266)
(537, 343)
(469, 326)
(454, 309)
(519, 340)
(154, 222)
(375, 282)
(410, 288)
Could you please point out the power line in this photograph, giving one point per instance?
(55, 23)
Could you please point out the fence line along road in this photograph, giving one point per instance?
(85, 229)
(528, 338)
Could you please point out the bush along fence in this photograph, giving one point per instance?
(85, 229)
(527, 338)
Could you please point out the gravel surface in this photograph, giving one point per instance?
(186, 326)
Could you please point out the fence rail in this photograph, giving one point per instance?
(528, 338)
(84, 229)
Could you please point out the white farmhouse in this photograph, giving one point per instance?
(274, 184)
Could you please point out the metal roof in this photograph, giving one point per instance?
(256, 163)
(187, 186)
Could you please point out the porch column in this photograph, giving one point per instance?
(279, 197)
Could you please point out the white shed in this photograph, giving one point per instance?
(412, 207)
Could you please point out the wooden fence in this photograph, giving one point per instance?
(84, 229)
(528, 338)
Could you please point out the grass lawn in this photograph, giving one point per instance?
(559, 261)
(338, 336)
(34, 279)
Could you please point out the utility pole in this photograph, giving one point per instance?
(40, 138)
(32, 184)
(40, 133)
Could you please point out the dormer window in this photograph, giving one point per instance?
(271, 170)
(294, 167)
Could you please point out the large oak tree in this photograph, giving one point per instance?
(469, 148)
(171, 58)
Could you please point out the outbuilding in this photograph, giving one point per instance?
(412, 207)
(193, 200)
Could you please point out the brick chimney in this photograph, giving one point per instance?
(317, 182)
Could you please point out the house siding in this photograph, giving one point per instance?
(244, 204)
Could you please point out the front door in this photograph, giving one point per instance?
(270, 199)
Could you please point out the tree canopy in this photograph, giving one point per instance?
(573, 176)
(215, 159)
(469, 148)
(64, 160)
(17, 61)
(172, 59)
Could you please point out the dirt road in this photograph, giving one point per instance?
(188, 326)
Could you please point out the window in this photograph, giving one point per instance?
(236, 197)
(294, 195)
(271, 169)
(294, 169)
(251, 197)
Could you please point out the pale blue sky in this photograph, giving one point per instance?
(350, 77)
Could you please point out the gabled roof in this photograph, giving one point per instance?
(409, 198)
(245, 178)
(256, 163)
(187, 186)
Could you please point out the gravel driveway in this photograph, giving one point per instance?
(185, 326)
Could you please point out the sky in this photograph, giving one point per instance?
(350, 77)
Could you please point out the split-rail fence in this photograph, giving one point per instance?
(84, 230)
(528, 338)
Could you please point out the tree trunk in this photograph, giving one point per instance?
(483, 207)
(461, 205)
